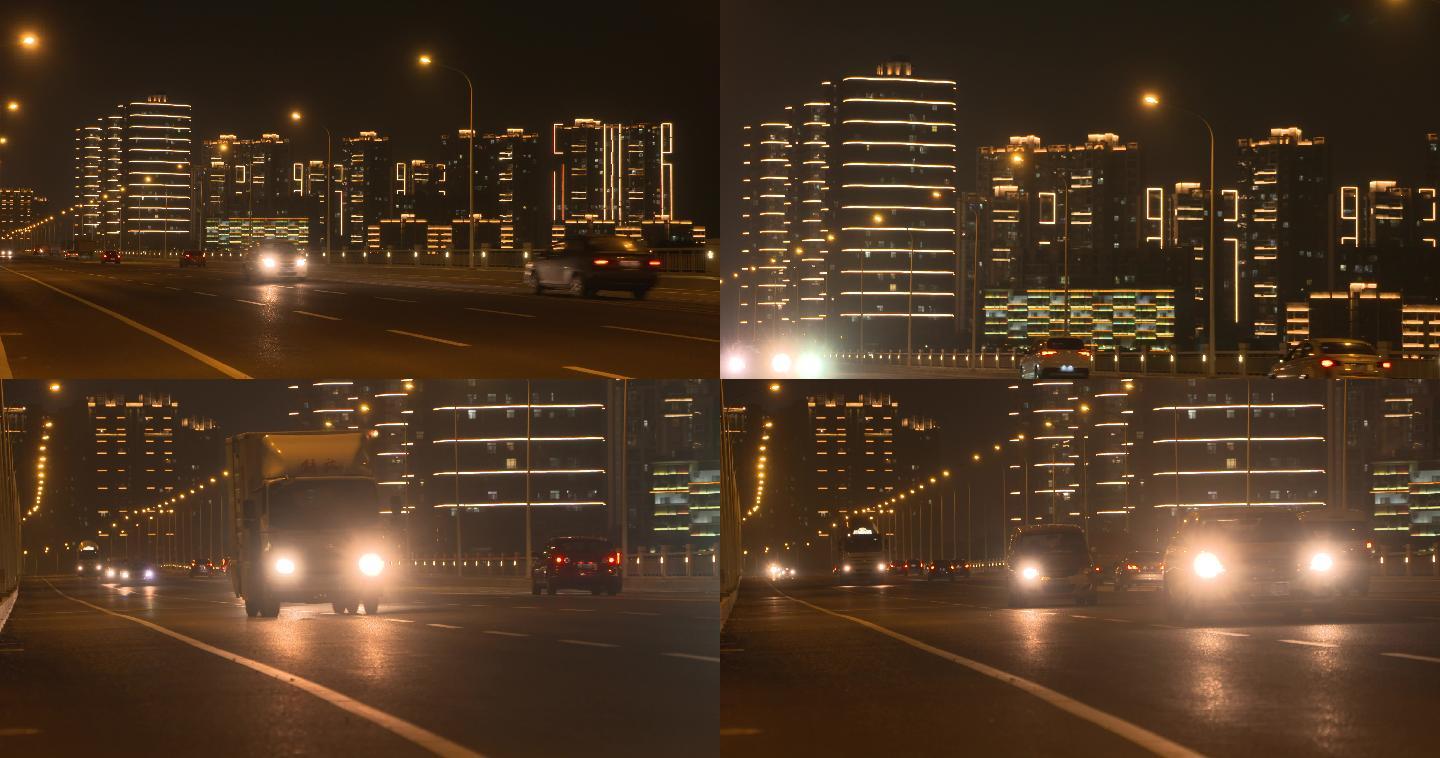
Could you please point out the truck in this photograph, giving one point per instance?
(306, 522)
(862, 555)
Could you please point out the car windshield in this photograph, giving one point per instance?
(1346, 347)
(323, 504)
(1353, 531)
(1050, 542)
(276, 248)
(583, 549)
(1262, 527)
(862, 543)
(1065, 343)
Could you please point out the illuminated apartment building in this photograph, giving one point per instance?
(672, 433)
(132, 175)
(1177, 223)
(382, 411)
(365, 187)
(1284, 193)
(611, 172)
(246, 178)
(852, 463)
(132, 458)
(767, 283)
(1105, 319)
(17, 207)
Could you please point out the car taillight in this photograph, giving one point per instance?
(1085, 353)
(601, 261)
(1047, 352)
(1386, 364)
(560, 560)
(1326, 363)
(1131, 567)
(613, 559)
(655, 262)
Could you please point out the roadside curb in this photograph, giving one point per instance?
(6, 606)
(727, 603)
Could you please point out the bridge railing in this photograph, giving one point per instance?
(693, 260)
(1256, 363)
(660, 562)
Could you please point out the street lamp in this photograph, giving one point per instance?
(296, 117)
(12, 105)
(1152, 100)
(426, 60)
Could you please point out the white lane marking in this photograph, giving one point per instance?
(252, 302)
(329, 292)
(443, 626)
(1407, 656)
(1136, 734)
(1080, 616)
(1118, 621)
(505, 634)
(427, 337)
(1164, 626)
(738, 731)
(18, 731)
(4, 362)
(639, 613)
(396, 299)
(1309, 643)
(706, 658)
(578, 610)
(662, 334)
(206, 294)
(424, 738)
(605, 374)
(502, 313)
(225, 369)
(399, 621)
(1227, 634)
(318, 315)
(479, 605)
(177, 289)
(587, 643)
(524, 607)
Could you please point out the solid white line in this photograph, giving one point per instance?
(426, 337)
(4, 362)
(443, 626)
(662, 334)
(687, 656)
(584, 370)
(424, 738)
(1408, 656)
(1308, 642)
(318, 315)
(505, 634)
(395, 299)
(172, 342)
(1136, 734)
(502, 313)
(330, 292)
(587, 644)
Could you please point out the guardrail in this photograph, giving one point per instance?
(692, 260)
(1255, 363)
(661, 563)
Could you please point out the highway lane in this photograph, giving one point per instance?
(144, 318)
(1253, 684)
(496, 671)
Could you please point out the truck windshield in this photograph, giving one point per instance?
(862, 543)
(1051, 542)
(323, 504)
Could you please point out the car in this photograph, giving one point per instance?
(1138, 569)
(778, 572)
(587, 265)
(69, 255)
(1055, 356)
(89, 565)
(1050, 561)
(7, 254)
(274, 259)
(1241, 557)
(946, 568)
(109, 256)
(126, 571)
(192, 258)
(1353, 540)
(577, 563)
(202, 567)
(1328, 358)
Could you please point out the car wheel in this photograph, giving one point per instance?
(337, 609)
(252, 608)
(550, 589)
(577, 286)
(532, 280)
(352, 606)
(271, 608)
(372, 606)
(614, 589)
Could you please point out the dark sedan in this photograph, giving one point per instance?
(577, 563)
(587, 265)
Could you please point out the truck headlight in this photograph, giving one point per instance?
(880, 567)
(268, 262)
(1207, 566)
(1030, 573)
(846, 568)
(371, 564)
(1321, 562)
(149, 574)
(284, 566)
(300, 262)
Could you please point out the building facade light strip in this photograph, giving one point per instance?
(503, 471)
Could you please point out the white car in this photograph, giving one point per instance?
(1055, 356)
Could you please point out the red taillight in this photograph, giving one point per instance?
(1326, 363)
(613, 559)
(560, 559)
(1047, 352)
(1386, 364)
(1131, 567)
(655, 263)
(1085, 353)
(601, 261)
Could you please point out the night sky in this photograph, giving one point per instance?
(352, 66)
(1362, 73)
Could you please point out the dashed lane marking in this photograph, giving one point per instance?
(318, 315)
(692, 657)
(444, 626)
(428, 337)
(1408, 656)
(587, 643)
(662, 334)
(506, 634)
(1308, 643)
(502, 313)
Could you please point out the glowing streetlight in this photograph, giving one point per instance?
(427, 61)
(296, 117)
(1150, 99)
(29, 40)
(54, 387)
(12, 105)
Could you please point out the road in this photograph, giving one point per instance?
(82, 319)
(932, 670)
(462, 672)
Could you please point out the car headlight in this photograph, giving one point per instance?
(124, 574)
(109, 573)
(880, 567)
(846, 568)
(300, 262)
(1321, 562)
(1207, 566)
(284, 566)
(1030, 573)
(371, 564)
(268, 262)
(149, 574)
(780, 363)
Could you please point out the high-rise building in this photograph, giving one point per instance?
(383, 411)
(132, 177)
(366, 191)
(17, 207)
(852, 463)
(618, 173)
(510, 187)
(768, 281)
(249, 190)
(133, 454)
(1284, 196)
(672, 433)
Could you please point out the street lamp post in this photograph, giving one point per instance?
(426, 60)
(1152, 100)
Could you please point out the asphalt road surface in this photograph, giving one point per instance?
(947, 669)
(483, 672)
(143, 318)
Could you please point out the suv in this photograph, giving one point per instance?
(1248, 556)
(108, 256)
(1325, 358)
(577, 563)
(1050, 561)
(274, 259)
(587, 265)
(1055, 356)
(1138, 569)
